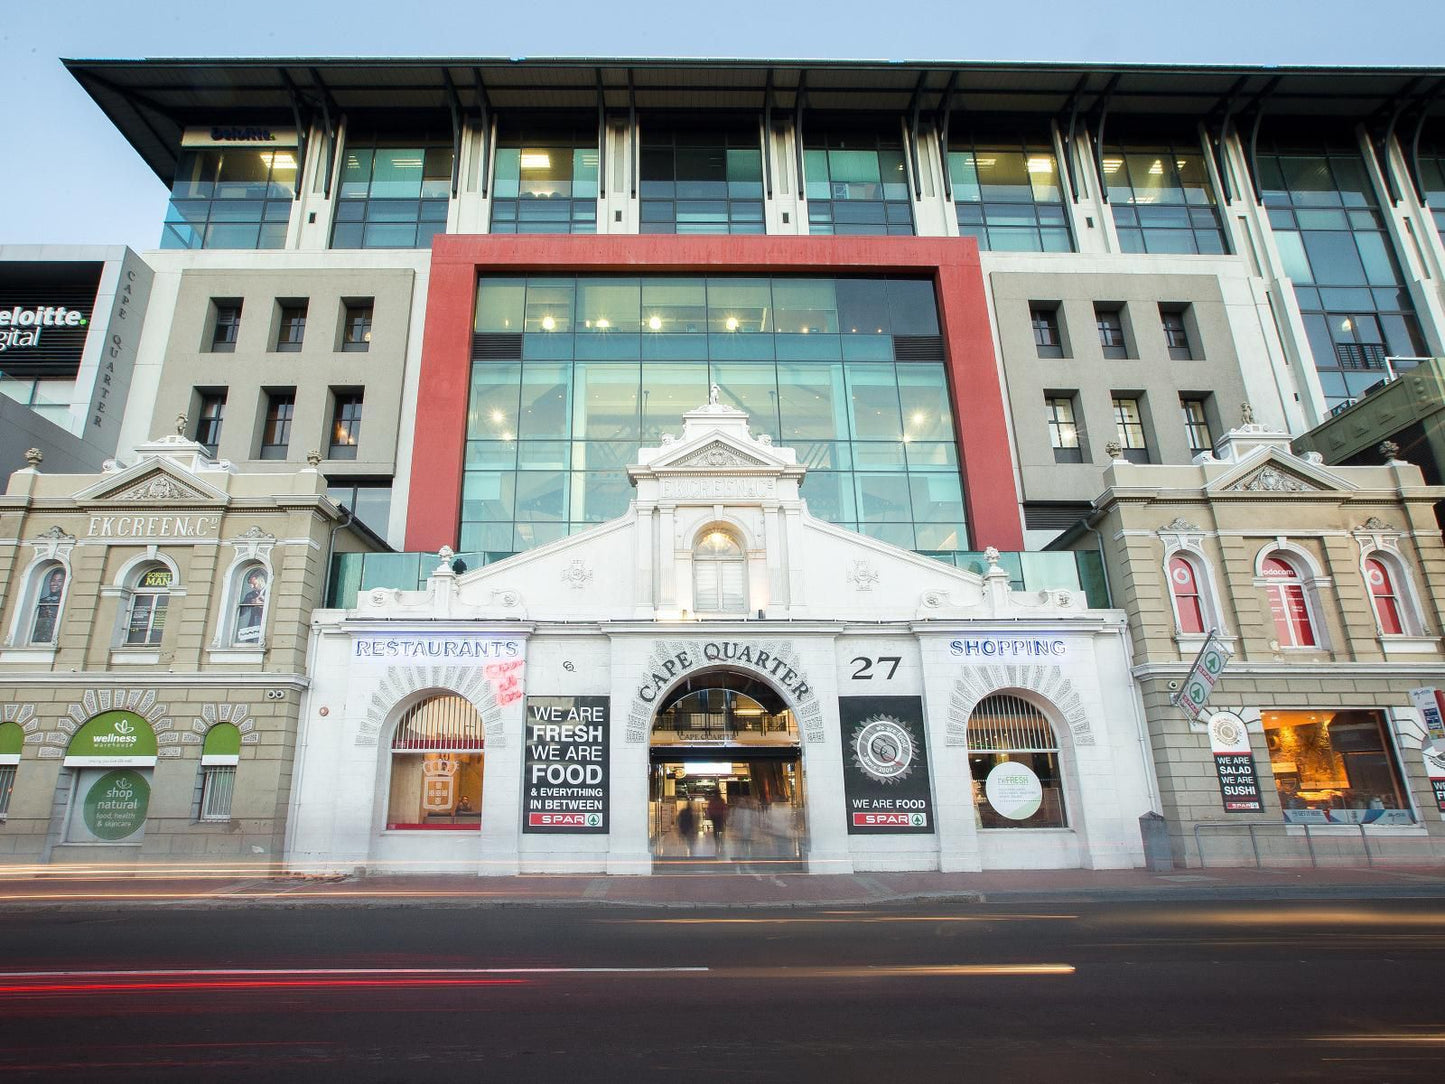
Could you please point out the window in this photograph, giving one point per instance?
(546, 177)
(345, 425)
(1385, 597)
(209, 418)
(228, 324)
(1013, 758)
(231, 197)
(1196, 424)
(1162, 198)
(1335, 767)
(856, 182)
(436, 767)
(1063, 429)
(719, 573)
(45, 624)
(1130, 424)
(1008, 197)
(1047, 340)
(356, 327)
(369, 501)
(150, 596)
(1176, 335)
(392, 196)
(1188, 602)
(1110, 320)
(1293, 625)
(219, 757)
(700, 179)
(291, 327)
(254, 583)
(276, 432)
(12, 740)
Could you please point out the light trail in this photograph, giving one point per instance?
(831, 919)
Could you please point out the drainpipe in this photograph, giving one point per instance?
(331, 544)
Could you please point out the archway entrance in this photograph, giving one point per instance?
(726, 778)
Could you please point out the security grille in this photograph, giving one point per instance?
(447, 723)
(1008, 723)
(216, 791)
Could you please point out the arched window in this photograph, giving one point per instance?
(50, 583)
(1184, 585)
(1293, 625)
(436, 766)
(719, 574)
(219, 756)
(253, 589)
(150, 596)
(1385, 596)
(12, 739)
(1013, 758)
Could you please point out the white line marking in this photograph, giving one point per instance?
(153, 973)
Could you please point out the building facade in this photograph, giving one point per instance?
(156, 623)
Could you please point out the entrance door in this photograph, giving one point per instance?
(726, 778)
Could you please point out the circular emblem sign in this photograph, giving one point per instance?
(1014, 790)
(115, 806)
(883, 748)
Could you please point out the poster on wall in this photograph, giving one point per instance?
(1234, 764)
(885, 765)
(565, 785)
(1430, 703)
(1434, 754)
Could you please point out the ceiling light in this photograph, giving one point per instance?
(1041, 165)
(654, 323)
(497, 416)
(1113, 165)
(732, 323)
(548, 324)
(1157, 168)
(604, 323)
(536, 160)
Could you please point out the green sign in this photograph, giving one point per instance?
(115, 806)
(113, 737)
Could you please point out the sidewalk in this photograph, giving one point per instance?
(170, 886)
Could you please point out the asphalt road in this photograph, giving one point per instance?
(1340, 991)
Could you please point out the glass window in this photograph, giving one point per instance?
(50, 583)
(546, 177)
(1047, 340)
(1293, 625)
(1063, 429)
(1385, 596)
(392, 196)
(150, 596)
(210, 418)
(12, 740)
(719, 570)
(1162, 198)
(856, 181)
(437, 763)
(254, 583)
(701, 179)
(276, 432)
(1008, 197)
(345, 425)
(1335, 767)
(291, 328)
(1188, 602)
(231, 197)
(1110, 322)
(356, 327)
(369, 501)
(1130, 425)
(1013, 757)
(1196, 424)
(228, 324)
(1176, 334)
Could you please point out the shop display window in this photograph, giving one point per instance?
(436, 767)
(1013, 759)
(1335, 767)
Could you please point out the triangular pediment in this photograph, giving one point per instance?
(1267, 470)
(152, 482)
(716, 455)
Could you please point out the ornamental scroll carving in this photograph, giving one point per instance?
(1270, 480)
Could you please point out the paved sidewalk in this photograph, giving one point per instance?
(171, 886)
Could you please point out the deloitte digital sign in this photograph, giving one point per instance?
(45, 311)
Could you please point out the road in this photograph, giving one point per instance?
(1275, 991)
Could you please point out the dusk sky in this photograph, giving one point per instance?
(70, 178)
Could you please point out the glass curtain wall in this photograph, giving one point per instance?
(546, 177)
(572, 374)
(392, 195)
(1161, 196)
(1008, 195)
(1331, 238)
(234, 197)
(701, 178)
(855, 180)
(1432, 179)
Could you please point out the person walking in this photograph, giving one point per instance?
(717, 812)
(687, 826)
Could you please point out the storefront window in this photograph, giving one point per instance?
(1335, 767)
(436, 767)
(1013, 758)
(150, 599)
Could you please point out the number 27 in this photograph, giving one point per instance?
(865, 666)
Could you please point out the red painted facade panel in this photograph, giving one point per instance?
(434, 504)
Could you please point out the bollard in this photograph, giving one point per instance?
(1158, 854)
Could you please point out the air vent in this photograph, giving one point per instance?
(1360, 355)
(918, 347)
(1053, 517)
(492, 346)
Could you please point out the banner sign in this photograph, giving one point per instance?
(1234, 763)
(45, 311)
(565, 786)
(1434, 754)
(113, 739)
(1430, 703)
(885, 765)
(1203, 676)
(115, 805)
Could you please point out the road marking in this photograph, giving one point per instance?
(830, 919)
(253, 972)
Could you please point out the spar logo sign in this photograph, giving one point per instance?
(1203, 675)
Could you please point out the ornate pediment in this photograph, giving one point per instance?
(157, 486)
(1273, 480)
(717, 455)
(152, 481)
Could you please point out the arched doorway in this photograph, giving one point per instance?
(726, 777)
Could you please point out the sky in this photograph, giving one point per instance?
(69, 178)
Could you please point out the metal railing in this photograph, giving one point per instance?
(1284, 845)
